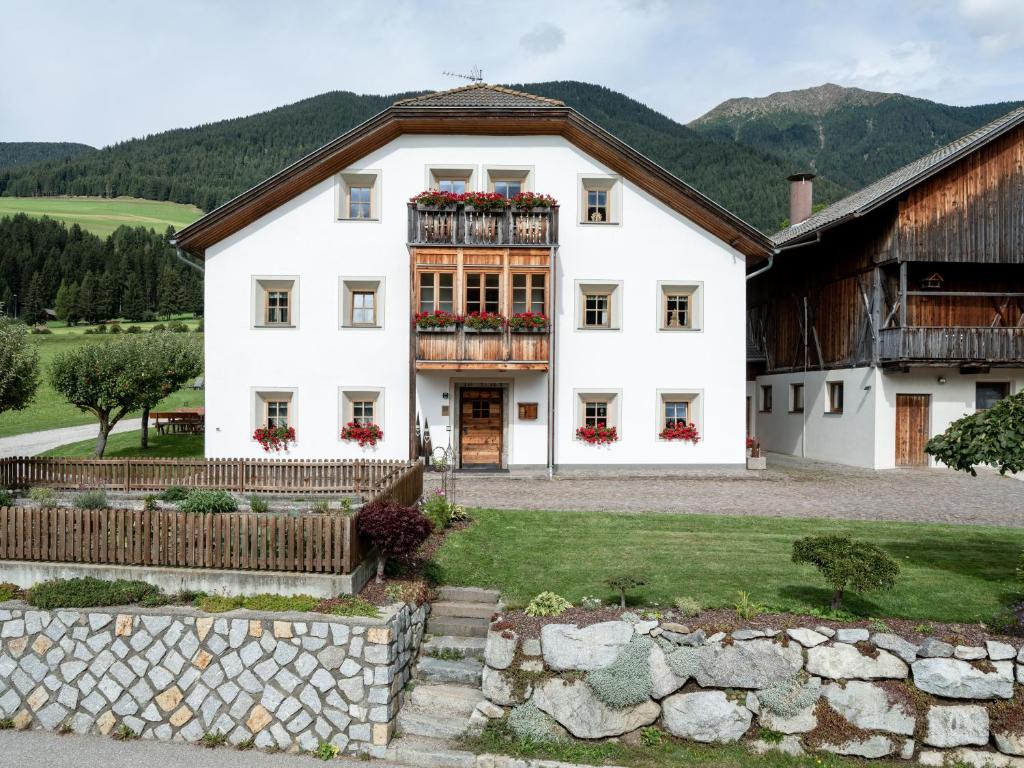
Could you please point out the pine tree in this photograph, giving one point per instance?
(87, 299)
(34, 307)
(133, 305)
(167, 291)
(64, 306)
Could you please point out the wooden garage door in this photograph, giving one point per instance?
(480, 428)
(912, 419)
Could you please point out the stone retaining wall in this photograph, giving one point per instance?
(846, 691)
(289, 681)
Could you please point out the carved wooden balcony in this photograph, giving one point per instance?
(953, 345)
(462, 349)
(464, 225)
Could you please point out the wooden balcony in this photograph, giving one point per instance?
(464, 225)
(953, 346)
(461, 349)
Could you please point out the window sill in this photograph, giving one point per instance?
(679, 330)
(370, 220)
(763, 411)
(595, 328)
(599, 223)
(833, 413)
(360, 327)
(795, 412)
(275, 327)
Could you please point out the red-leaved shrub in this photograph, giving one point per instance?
(396, 530)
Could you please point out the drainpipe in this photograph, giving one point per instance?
(180, 256)
(551, 370)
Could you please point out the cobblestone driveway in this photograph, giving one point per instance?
(791, 489)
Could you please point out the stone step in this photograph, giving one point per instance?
(432, 723)
(470, 595)
(469, 647)
(450, 608)
(428, 753)
(462, 672)
(446, 697)
(443, 625)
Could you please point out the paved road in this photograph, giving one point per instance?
(791, 488)
(43, 749)
(33, 443)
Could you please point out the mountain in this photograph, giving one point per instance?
(209, 164)
(14, 153)
(849, 136)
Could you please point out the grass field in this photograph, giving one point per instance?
(50, 410)
(102, 216)
(956, 573)
(125, 445)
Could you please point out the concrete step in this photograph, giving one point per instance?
(455, 609)
(446, 697)
(470, 595)
(469, 647)
(446, 625)
(432, 723)
(462, 672)
(427, 752)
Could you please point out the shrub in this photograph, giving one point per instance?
(846, 563)
(133, 329)
(395, 530)
(44, 497)
(157, 327)
(591, 603)
(149, 502)
(94, 498)
(6, 498)
(745, 607)
(624, 582)
(258, 504)
(627, 680)
(321, 506)
(200, 501)
(87, 592)
(174, 493)
(116, 328)
(438, 511)
(988, 437)
(176, 326)
(530, 724)
(101, 328)
(40, 329)
(548, 604)
(7, 591)
(687, 606)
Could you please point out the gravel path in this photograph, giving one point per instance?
(792, 488)
(34, 443)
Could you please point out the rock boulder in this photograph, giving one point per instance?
(869, 708)
(566, 646)
(576, 707)
(706, 716)
(841, 661)
(753, 664)
(955, 679)
(957, 726)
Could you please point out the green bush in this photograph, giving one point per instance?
(258, 504)
(6, 498)
(176, 326)
(87, 592)
(133, 329)
(627, 680)
(687, 606)
(624, 582)
(548, 604)
(438, 511)
(149, 502)
(94, 498)
(528, 723)
(44, 497)
(200, 501)
(7, 591)
(156, 327)
(994, 437)
(173, 493)
(116, 328)
(846, 563)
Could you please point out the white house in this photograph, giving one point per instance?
(314, 279)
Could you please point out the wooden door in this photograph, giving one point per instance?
(912, 420)
(480, 427)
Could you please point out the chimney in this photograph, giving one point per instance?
(801, 197)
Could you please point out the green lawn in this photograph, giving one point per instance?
(955, 573)
(126, 445)
(49, 410)
(102, 216)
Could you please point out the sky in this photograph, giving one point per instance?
(101, 72)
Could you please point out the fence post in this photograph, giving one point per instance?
(127, 475)
(241, 475)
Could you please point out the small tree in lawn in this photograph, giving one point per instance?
(994, 437)
(170, 361)
(624, 582)
(19, 366)
(846, 563)
(395, 530)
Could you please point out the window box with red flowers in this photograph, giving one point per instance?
(484, 201)
(529, 322)
(274, 439)
(531, 201)
(438, 321)
(597, 435)
(686, 433)
(364, 434)
(435, 199)
(484, 322)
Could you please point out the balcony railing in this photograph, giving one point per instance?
(465, 225)
(466, 349)
(955, 345)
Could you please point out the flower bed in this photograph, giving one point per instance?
(275, 439)
(484, 321)
(680, 431)
(599, 435)
(527, 200)
(364, 434)
(437, 320)
(528, 321)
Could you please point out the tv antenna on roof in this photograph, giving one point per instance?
(476, 75)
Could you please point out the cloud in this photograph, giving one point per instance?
(998, 24)
(543, 38)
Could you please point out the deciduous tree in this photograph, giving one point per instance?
(19, 366)
(994, 437)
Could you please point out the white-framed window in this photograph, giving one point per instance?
(483, 292)
(598, 305)
(273, 407)
(435, 291)
(529, 292)
(796, 398)
(600, 199)
(834, 390)
(509, 180)
(358, 195)
(362, 405)
(680, 305)
(362, 302)
(275, 301)
(678, 407)
(456, 179)
(598, 408)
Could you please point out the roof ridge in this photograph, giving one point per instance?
(480, 86)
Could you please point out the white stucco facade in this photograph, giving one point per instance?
(864, 434)
(315, 361)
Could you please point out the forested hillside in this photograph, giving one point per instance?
(848, 135)
(132, 274)
(14, 153)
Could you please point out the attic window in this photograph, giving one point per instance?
(600, 200)
(359, 196)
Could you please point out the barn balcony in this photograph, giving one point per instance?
(463, 225)
(952, 345)
(462, 349)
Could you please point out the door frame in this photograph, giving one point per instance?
(505, 388)
(896, 427)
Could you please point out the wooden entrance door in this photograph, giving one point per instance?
(912, 420)
(480, 426)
